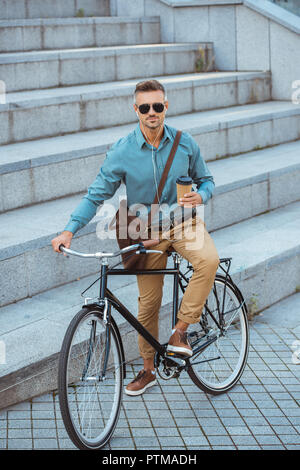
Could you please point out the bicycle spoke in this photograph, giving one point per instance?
(231, 345)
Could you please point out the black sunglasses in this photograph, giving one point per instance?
(145, 108)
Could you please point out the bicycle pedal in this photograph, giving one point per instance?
(175, 355)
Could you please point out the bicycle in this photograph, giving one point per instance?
(92, 363)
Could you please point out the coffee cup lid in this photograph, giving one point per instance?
(185, 180)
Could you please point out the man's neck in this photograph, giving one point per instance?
(152, 136)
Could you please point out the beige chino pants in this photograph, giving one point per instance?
(192, 241)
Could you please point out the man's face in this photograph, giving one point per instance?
(152, 119)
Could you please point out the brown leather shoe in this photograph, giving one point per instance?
(139, 385)
(178, 343)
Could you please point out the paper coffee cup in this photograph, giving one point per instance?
(184, 185)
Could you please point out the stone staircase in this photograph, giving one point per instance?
(69, 87)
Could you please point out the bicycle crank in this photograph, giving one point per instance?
(169, 367)
(168, 373)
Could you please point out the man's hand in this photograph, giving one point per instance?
(63, 239)
(191, 199)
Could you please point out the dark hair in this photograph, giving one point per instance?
(148, 85)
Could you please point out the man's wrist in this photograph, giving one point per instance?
(72, 226)
(203, 196)
(68, 233)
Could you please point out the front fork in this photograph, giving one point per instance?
(92, 342)
(106, 321)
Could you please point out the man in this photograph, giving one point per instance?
(139, 159)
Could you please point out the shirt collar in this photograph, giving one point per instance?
(141, 139)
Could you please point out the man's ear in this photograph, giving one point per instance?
(136, 110)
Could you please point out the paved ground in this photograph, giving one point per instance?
(261, 412)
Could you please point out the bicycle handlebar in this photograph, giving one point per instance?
(107, 255)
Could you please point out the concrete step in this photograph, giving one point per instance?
(11, 9)
(67, 33)
(37, 171)
(59, 68)
(265, 255)
(59, 111)
(245, 186)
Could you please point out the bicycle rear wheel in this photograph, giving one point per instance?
(220, 365)
(90, 380)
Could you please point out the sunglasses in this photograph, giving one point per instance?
(157, 107)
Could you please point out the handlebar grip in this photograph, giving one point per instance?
(60, 246)
(138, 252)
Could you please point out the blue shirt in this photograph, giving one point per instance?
(130, 161)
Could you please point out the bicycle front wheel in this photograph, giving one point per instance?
(218, 367)
(90, 380)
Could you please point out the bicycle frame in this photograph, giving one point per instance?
(105, 295)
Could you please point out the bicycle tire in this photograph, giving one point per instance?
(214, 385)
(70, 361)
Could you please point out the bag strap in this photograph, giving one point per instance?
(165, 174)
